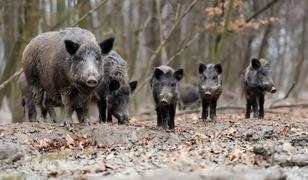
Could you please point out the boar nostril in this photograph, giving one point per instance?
(273, 90)
(164, 101)
(92, 82)
(207, 93)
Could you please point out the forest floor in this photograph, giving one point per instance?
(229, 148)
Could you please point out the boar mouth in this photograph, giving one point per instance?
(81, 86)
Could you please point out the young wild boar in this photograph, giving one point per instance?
(164, 84)
(257, 80)
(115, 89)
(210, 88)
(65, 65)
(188, 95)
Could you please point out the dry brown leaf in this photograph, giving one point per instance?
(52, 174)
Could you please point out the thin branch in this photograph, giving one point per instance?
(16, 74)
(161, 45)
(89, 12)
(270, 4)
(179, 52)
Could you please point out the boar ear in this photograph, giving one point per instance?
(255, 63)
(107, 45)
(114, 85)
(133, 85)
(202, 68)
(178, 75)
(71, 47)
(158, 73)
(218, 68)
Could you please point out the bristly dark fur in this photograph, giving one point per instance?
(56, 63)
(210, 88)
(256, 82)
(114, 102)
(164, 85)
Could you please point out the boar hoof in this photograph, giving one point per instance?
(86, 123)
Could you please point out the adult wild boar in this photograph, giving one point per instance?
(256, 82)
(210, 88)
(115, 89)
(65, 65)
(164, 84)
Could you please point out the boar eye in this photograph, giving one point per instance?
(173, 84)
(214, 78)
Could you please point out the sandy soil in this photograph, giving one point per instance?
(229, 148)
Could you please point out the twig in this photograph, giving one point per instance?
(179, 52)
(286, 96)
(262, 10)
(161, 45)
(16, 74)
(89, 12)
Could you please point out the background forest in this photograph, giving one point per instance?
(180, 33)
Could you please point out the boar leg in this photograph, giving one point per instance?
(205, 105)
(52, 114)
(30, 110)
(248, 108)
(83, 114)
(171, 123)
(68, 110)
(38, 99)
(109, 115)
(261, 107)
(213, 109)
(159, 117)
(254, 107)
(165, 117)
(102, 106)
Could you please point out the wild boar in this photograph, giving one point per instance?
(210, 88)
(113, 97)
(256, 82)
(65, 65)
(164, 84)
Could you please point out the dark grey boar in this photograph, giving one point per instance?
(256, 82)
(189, 95)
(115, 89)
(164, 84)
(210, 88)
(64, 65)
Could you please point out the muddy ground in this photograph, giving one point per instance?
(229, 148)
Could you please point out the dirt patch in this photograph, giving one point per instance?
(230, 147)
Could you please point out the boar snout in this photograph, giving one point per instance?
(208, 93)
(92, 81)
(165, 98)
(273, 90)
